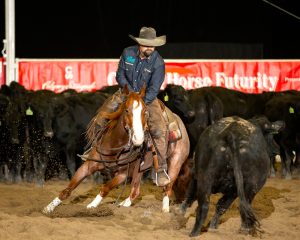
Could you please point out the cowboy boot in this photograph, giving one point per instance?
(162, 178)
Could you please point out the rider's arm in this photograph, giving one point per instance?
(155, 83)
(121, 76)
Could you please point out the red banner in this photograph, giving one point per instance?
(2, 71)
(252, 76)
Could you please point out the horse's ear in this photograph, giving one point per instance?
(125, 89)
(143, 91)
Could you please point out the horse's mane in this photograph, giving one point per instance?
(93, 131)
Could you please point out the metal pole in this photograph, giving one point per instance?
(10, 40)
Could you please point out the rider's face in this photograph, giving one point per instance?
(146, 51)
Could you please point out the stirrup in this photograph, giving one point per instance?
(156, 182)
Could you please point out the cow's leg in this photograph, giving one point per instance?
(202, 209)
(190, 196)
(223, 204)
(86, 169)
(70, 159)
(40, 169)
(272, 166)
(117, 180)
(287, 164)
(297, 159)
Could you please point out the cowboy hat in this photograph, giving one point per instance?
(148, 37)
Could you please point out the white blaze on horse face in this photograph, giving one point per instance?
(137, 126)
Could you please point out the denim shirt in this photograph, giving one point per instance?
(134, 72)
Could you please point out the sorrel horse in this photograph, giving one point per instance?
(120, 149)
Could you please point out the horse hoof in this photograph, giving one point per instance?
(51, 206)
(126, 203)
(90, 206)
(166, 210)
(95, 202)
(45, 211)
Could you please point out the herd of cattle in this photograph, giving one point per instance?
(42, 132)
(234, 139)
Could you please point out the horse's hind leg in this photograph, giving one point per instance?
(82, 172)
(173, 170)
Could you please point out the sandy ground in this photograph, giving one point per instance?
(277, 206)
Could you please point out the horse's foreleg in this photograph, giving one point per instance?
(135, 189)
(85, 170)
(117, 180)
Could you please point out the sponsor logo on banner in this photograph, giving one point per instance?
(70, 83)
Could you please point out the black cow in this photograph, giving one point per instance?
(176, 98)
(269, 130)
(14, 124)
(232, 158)
(198, 108)
(286, 107)
(208, 109)
(70, 126)
(4, 139)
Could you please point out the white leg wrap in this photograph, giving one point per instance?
(95, 202)
(166, 204)
(51, 206)
(126, 202)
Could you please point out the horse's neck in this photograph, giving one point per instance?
(116, 136)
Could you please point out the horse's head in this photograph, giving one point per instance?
(135, 119)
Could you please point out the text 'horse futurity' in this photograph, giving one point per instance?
(122, 148)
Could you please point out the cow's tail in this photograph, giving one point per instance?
(250, 222)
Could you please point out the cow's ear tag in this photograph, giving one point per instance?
(29, 112)
(166, 98)
(291, 110)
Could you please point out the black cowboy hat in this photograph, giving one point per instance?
(148, 37)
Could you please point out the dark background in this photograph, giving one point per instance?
(194, 29)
